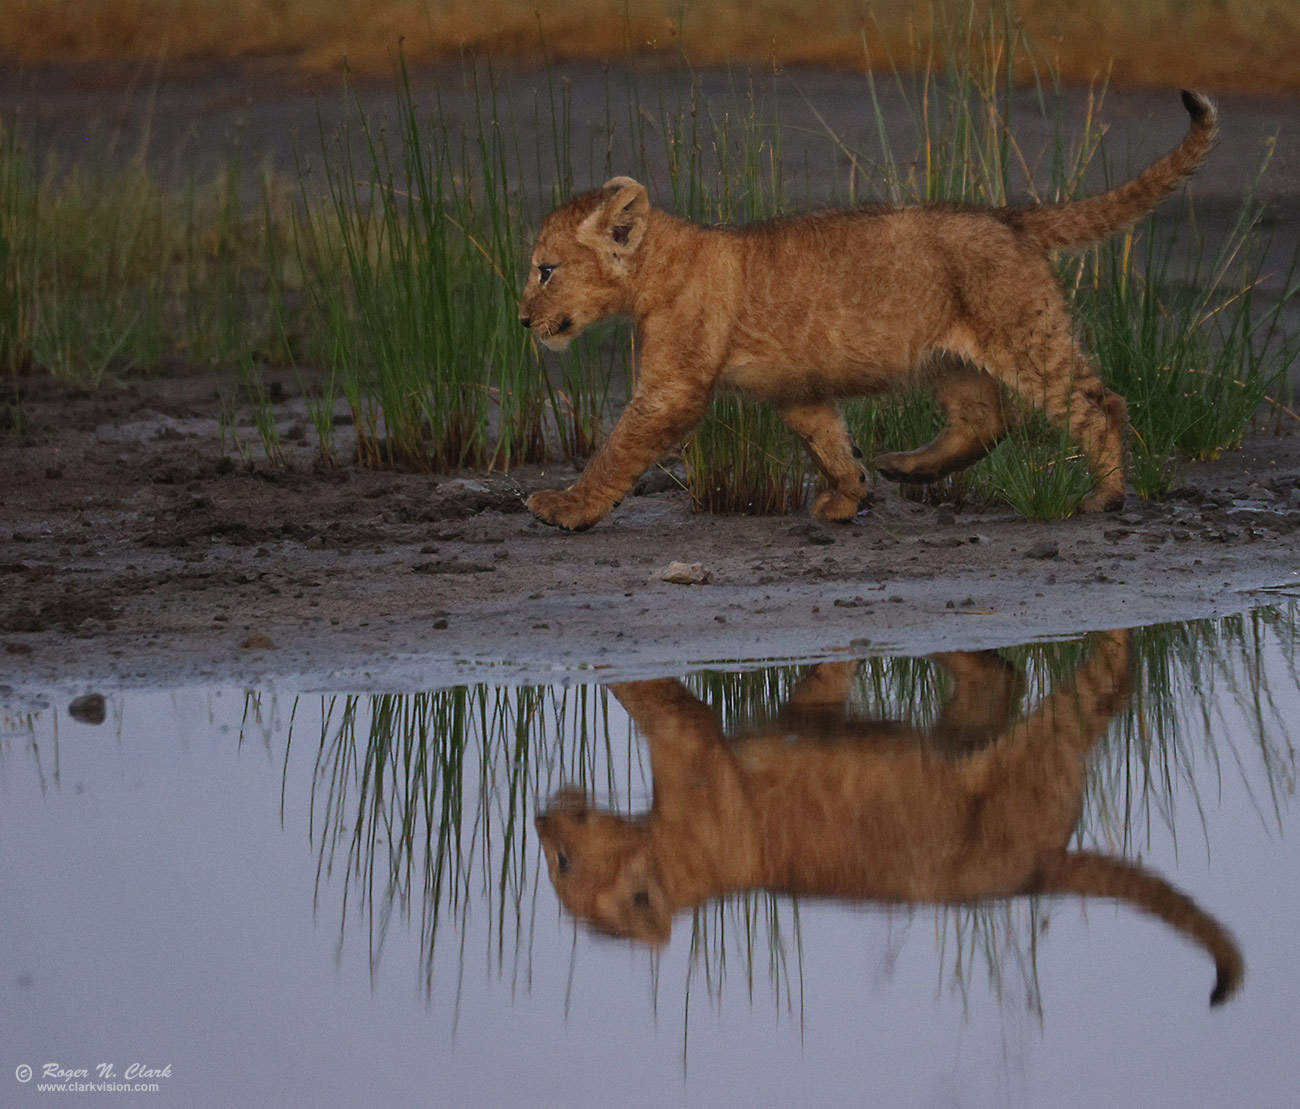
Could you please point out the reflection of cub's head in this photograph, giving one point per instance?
(603, 871)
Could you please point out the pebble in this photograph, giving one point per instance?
(684, 573)
(88, 708)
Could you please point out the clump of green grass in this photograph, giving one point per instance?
(1191, 347)
(424, 336)
(1038, 470)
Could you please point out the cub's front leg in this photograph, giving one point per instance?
(651, 425)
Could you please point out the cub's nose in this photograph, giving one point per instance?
(527, 321)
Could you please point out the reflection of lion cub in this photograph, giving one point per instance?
(847, 302)
(862, 810)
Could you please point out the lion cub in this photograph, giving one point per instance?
(982, 805)
(844, 302)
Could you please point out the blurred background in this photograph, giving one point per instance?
(1221, 45)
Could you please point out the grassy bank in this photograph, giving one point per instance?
(1248, 45)
(386, 271)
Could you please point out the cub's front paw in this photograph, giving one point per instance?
(836, 507)
(562, 509)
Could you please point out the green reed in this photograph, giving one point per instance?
(19, 213)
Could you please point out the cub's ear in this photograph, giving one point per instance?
(619, 223)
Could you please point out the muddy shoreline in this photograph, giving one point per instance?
(132, 554)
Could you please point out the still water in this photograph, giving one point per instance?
(860, 882)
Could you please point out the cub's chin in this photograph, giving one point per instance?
(558, 342)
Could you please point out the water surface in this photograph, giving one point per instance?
(343, 899)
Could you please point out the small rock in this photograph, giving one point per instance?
(657, 480)
(88, 708)
(945, 515)
(683, 573)
(1133, 519)
(1044, 549)
(258, 642)
(18, 648)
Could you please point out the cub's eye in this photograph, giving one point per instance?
(544, 272)
(562, 863)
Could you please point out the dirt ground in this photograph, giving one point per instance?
(133, 554)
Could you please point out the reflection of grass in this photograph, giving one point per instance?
(422, 804)
(419, 803)
(1184, 673)
(1250, 44)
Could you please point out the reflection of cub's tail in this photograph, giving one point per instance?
(1093, 875)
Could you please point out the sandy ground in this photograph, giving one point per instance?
(133, 554)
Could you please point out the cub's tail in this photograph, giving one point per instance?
(1077, 223)
(1092, 875)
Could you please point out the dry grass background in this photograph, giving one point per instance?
(1223, 45)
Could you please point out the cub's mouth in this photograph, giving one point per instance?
(559, 336)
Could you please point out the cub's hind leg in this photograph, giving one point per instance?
(826, 438)
(976, 424)
(1028, 346)
(1051, 372)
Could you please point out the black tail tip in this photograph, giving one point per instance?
(1198, 106)
(1226, 984)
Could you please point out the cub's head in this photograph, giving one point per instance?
(581, 263)
(603, 870)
